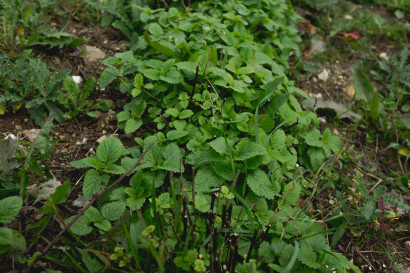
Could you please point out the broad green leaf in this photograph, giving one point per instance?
(291, 193)
(260, 184)
(80, 227)
(106, 78)
(364, 89)
(152, 74)
(206, 179)
(186, 114)
(9, 208)
(172, 156)
(189, 66)
(158, 46)
(219, 145)
(138, 80)
(6, 236)
(113, 168)
(132, 125)
(316, 157)
(224, 169)
(278, 139)
(202, 202)
(155, 29)
(103, 226)
(110, 150)
(91, 184)
(172, 111)
(313, 138)
(246, 150)
(113, 211)
(93, 214)
(93, 162)
(176, 134)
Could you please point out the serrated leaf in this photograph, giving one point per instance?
(206, 178)
(219, 145)
(113, 211)
(138, 80)
(112, 168)
(186, 114)
(260, 184)
(362, 86)
(172, 111)
(308, 257)
(189, 66)
(246, 150)
(316, 157)
(104, 225)
(172, 157)
(110, 150)
(132, 125)
(93, 162)
(152, 74)
(313, 138)
(106, 78)
(176, 134)
(266, 250)
(123, 116)
(9, 208)
(155, 29)
(91, 184)
(93, 214)
(291, 193)
(202, 202)
(278, 139)
(224, 169)
(368, 210)
(82, 226)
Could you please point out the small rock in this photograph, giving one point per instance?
(350, 92)
(31, 135)
(94, 54)
(101, 138)
(84, 141)
(324, 75)
(77, 79)
(322, 120)
(79, 202)
(348, 17)
(11, 136)
(384, 56)
(317, 96)
(335, 132)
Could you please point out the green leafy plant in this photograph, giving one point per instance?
(11, 240)
(24, 24)
(78, 98)
(28, 81)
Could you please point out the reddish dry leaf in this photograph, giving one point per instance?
(354, 35)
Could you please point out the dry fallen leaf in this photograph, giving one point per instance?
(350, 92)
(31, 135)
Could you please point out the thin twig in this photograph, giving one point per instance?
(95, 198)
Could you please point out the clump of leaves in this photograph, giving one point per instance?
(26, 23)
(78, 100)
(27, 81)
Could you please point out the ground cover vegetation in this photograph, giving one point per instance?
(220, 160)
